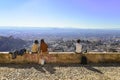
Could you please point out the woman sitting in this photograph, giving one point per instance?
(43, 47)
(35, 47)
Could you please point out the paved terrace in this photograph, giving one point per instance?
(62, 66)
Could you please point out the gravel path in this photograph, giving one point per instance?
(60, 72)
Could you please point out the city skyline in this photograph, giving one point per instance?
(86, 14)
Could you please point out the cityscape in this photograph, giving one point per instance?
(62, 40)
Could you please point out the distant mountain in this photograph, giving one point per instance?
(32, 33)
(10, 43)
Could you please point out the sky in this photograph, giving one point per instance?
(88, 14)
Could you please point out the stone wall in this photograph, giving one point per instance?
(62, 57)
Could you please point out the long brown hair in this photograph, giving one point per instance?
(43, 46)
(42, 41)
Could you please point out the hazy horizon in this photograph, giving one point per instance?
(23, 27)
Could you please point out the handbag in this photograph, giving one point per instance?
(42, 61)
(83, 60)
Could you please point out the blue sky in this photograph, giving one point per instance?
(61, 13)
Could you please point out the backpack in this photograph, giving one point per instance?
(83, 60)
(13, 54)
(21, 52)
(16, 52)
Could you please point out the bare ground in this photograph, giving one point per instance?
(109, 71)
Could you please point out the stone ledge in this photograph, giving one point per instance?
(62, 57)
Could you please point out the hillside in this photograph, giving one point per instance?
(10, 43)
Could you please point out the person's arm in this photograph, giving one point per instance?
(41, 49)
(47, 47)
(38, 49)
(81, 48)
